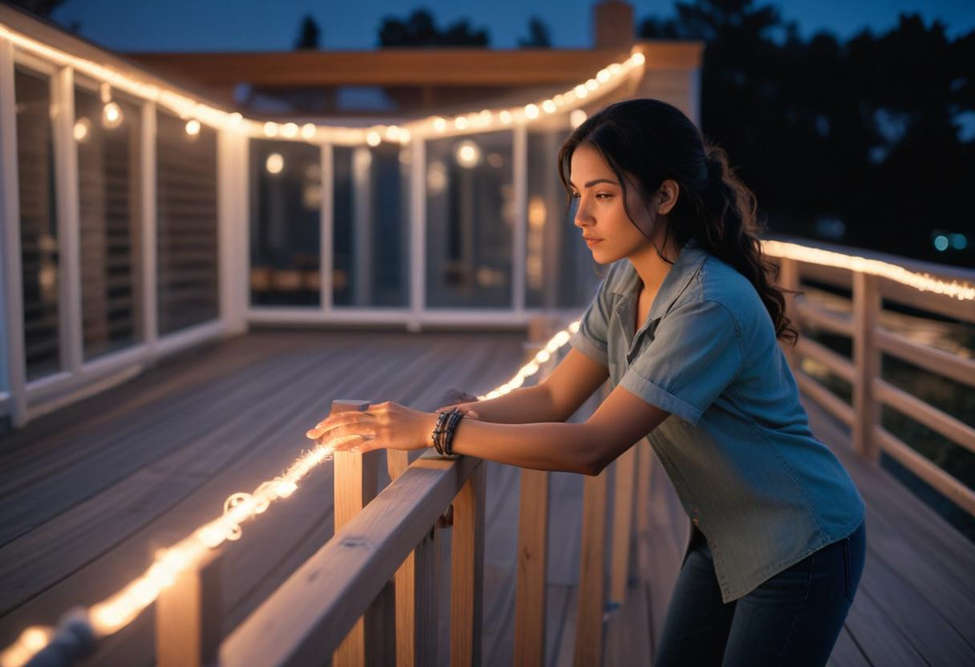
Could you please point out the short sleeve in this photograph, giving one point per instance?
(592, 338)
(695, 354)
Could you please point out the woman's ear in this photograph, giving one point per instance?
(667, 195)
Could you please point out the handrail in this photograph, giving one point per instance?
(870, 340)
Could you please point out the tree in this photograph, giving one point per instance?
(44, 9)
(308, 34)
(419, 30)
(538, 35)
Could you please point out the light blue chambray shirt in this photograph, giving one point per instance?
(758, 486)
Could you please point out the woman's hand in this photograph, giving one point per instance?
(383, 426)
(459, 398)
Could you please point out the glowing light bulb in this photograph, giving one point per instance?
(581, 91)
(111, 115)
(577, 118)
(392, 133)
(373, 138)
(192, 127)
(603, 75)
(439, 124)
(82, 130)
(468, 154)
(505, 117)
(308, 130)
(638, 59)
(270, 129)
(615, 69)
(548, 106)
(404, 136)
(274, 163)
(290, 130)
(592, 84)
(531, 111)
(461, 123)
(235, 118)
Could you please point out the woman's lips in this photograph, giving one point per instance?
(592, 242)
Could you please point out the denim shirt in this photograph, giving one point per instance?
(755, 482)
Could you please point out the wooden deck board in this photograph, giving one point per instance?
(91, 490)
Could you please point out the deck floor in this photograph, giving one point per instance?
(89, 492)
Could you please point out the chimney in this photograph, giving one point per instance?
(614, 25)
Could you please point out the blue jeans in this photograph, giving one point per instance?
(792, 619)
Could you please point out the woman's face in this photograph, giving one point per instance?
(600, 213)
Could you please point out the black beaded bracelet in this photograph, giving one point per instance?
(451, 427)
(438, 431)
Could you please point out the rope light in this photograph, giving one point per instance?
(923, 282)
(605, 81)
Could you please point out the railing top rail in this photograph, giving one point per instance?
(309, 614)
(945, 271)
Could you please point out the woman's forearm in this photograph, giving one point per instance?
(545, 446)
(525, 405)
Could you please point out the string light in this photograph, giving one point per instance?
(605, 79)
(920, 281)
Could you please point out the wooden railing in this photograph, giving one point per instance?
(370, 595)
(861, 322)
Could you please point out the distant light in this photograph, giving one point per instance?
(559, 100)
(111, 115)
(548, 106)
(468, 154)
(392, 133)
(959, 241)
(270, 129)
(289, 130)
(581, 91)
(577, 118)
(638, 59)
(531, 111)
(941, 242)
(592, 84)
(236, 118)
(603, 76)
(404, 136)
(82, 130)
(308, 130)
(439, 124)
(373, 138)
(461, 123)
(274, 163)
(505, 116)
(192, 127)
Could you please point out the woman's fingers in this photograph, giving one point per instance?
(336, 420)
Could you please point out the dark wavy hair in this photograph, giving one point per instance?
(654, 141)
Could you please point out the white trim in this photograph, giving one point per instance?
(13, 304)
(189, 337)
(504, 317)
(519, 247)
(150, 332)
(31, 61)
(68, 221)
(58, 385)
(242, 239)
(90, 388)
(361, 226)
(418, 232)
(326, 260)
(230, 191)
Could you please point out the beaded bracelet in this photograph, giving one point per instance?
(438, 431)
(452, 422)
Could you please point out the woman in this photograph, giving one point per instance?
(686, 329)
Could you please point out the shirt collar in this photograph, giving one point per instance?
(685, 267)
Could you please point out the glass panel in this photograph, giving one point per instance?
(371, 226)
(188, 281)
(560, 271)
(286, 197)
(109, 191)
(470, 219)
(40, 261)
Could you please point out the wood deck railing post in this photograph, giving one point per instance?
(866, 361)
(417, 590)
(592, 584)
(624, 489)
(188, 616)
(532, 559)
(370, 642)
(467, 571)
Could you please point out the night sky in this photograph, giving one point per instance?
(255, 25)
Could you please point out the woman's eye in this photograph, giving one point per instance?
(603, 194)
(575, 195)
